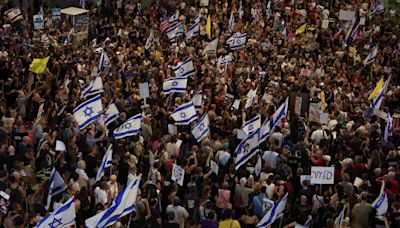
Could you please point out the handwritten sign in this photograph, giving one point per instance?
(178, 174)
(322, 175)
(38, 21)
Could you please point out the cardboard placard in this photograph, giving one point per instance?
(178, 174)
(347, 15)
(38, 21)
(144, 90)
(322, 175)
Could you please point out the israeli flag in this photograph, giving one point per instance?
(275, 120)
(377, 101)
(197, 100)
(201, 128)
(268, 12)
(174, 20)
(123, 204)
(131, 127)
(274, 213)
(64, 216)
(172, 33)
(377, 9)
(381, 203)
(105, 163)
(388, 127)
(194, 30)
(251, 95)
(69, 37)
(88, 111)
(95, 87)
(56, 185)
(231, 21)
(339, 220)
(224, 60)
(211, 47)
(149, 41)
(110, 114)
(82, 4)
(184, 69)
(175, 85)
(184, 114)
(371, 56)
(247, 149)
(252, 125)
(104, 62)
(237, 41)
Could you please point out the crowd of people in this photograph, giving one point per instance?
(321, 61)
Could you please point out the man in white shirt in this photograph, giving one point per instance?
(180, 212)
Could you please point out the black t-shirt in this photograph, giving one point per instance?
(155, 214)
(171, 225)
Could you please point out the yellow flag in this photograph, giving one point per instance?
(301, 29)
(378, 88)
(38, 66)
(324, 104)
(208, 27)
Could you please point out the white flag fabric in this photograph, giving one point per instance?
(172, 33)
(231, 22)
(212, 46)
(224, 59)
(64, 216)
(184, 69)
(69, 37)
(82, 4)
(131, 127)
(274, 213)
(371, 56)
(247, 149)
(95, 87)
(174, 20)
(251, 95)
(237, 41)
(175, 85)
(201, 128)
(258, 167)
(88, 111)
(149, 41)
(56, 185)
(123, 204)
(252, 125)
(184, 114)
(60, 146)
(275, 120)
(376, 9)
(105, 163)
(197, 100)
(104, 61)
(381, 203)
(110, 114)
(339, 220)
(214, 167)
(193, 31)
(388, 127)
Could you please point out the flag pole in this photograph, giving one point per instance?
(280, 222)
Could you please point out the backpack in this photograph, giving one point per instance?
(9, 221)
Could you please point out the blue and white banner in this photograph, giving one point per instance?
(247, 149)
(68, 40)
(274, 213)
(184, 69)
(211, 47)
(105, 163)
(56, 185)
(95, 87)
(237, 41)
(275, 120)
(110, 114)
(197, 100)
(231, 22)
(371, 56)
(193, 31)
(175, 85)
(103, 62)
(174, 20)
(339, 220)
(123, 204)
(388, 127)
(381, 203)
(88, 111)
(224, 60)
(376, 9)
(131, 127)
(252, 125)
(184, 114)
(251, 95)
(377, 101)
(64, 216)
(201, 128)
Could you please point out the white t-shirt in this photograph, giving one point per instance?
(100, 196)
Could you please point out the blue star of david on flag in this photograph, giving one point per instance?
(183, 115)
(55, 223)
(128, 125)
(174, 83)
(201, 126)
(88, 111)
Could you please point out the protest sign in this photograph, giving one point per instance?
(325, 24)
(144, 90)
(347, 15)
(314, 112)
(322, 175)
(60, 146)
(38, 22)
(56, 14)
(178, 174)
(214, 167)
